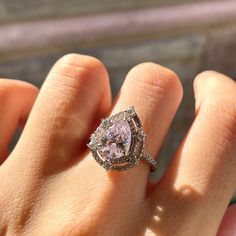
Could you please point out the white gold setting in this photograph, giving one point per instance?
(118, 143)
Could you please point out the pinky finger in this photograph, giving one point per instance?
(16, 101)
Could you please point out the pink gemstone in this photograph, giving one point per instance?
(116, 141)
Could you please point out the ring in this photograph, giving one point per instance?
(118, 143)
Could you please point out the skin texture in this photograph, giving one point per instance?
(51, 185)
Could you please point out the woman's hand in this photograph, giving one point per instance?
(51, 185)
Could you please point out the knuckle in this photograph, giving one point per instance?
(206, 74)
(72, 64)
(206, 78)
(6, 87)
(75, 59)
(73, 74)
(203, 76)
(3, 93)
(221, 111)
(156, 78)
(9, 88)
(28, 86)
(69, 58)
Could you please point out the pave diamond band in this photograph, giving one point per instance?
(150, 161)
(118, 143)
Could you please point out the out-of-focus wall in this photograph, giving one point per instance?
(186, 36)
(41, 9)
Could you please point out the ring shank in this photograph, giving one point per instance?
(150, 161)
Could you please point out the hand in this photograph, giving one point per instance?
(51, 185)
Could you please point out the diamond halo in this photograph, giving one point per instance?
(118, 143)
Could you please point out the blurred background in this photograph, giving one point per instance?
(186, 36)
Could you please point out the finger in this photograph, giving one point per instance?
(155, 92)
(228, 224)
(16, 101)
(202, 176)
(75, 93)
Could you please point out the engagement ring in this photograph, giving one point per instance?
(118, 143)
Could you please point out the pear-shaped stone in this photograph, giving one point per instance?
(116, 140)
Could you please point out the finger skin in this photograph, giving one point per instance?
(149, 88)
(16, 101)
(75, 93)
(202, 176)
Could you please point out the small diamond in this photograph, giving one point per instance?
(105, 122)
(141, 136)
(130, 111)
(92, 145)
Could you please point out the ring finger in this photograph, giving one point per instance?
(149, 88)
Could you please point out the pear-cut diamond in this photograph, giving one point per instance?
(116, 140)
(118, 143)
